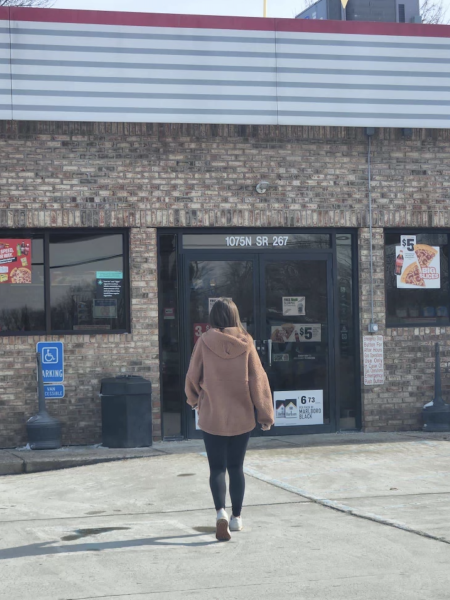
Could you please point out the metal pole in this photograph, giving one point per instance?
(265, 9)
(437, 376)
(41, 393)
(370, 231)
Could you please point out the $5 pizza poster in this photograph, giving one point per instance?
(15, 261)
(421, 267)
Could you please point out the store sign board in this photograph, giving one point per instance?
(264, 240)
(15, 261)
(52, 354)
(373, 355)
(298, 407)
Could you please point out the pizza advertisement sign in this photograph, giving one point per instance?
(15, 261)
(418, 266)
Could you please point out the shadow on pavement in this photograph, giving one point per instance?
(46, 549)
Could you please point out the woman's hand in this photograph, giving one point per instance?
(265, 427)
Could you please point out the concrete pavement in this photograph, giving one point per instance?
(143, 529)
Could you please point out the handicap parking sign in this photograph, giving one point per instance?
(54, 391)
(52, 354)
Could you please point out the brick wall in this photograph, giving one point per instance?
(88, 358)
(145, 176)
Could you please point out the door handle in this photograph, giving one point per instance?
(264, 348)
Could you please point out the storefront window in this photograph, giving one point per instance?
(78, 283)
(86, 282)
(417, 281)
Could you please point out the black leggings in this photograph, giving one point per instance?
(227, 453)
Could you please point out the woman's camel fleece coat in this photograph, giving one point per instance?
(226, 382)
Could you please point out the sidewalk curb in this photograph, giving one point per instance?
(17, 463)
(10, 464)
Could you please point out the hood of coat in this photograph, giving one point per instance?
(229, 343)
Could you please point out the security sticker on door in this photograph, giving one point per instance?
(293, 305)
(290, 332)
(298, 407)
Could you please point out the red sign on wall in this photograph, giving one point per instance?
(15, 261)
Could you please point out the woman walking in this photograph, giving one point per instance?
(225, 383)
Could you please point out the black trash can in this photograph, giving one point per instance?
(126, 412)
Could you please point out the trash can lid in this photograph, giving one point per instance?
(125, 385)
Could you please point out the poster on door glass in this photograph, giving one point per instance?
(298, 407)
(417, 266)
(15, 261)
(293, 305)
(290, 332)
(212, 301)
(199, 330)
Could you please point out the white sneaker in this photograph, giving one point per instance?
(236, 523)
(222, 526)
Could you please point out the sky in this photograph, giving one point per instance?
(238, 8)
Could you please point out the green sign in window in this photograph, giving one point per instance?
(109, 275)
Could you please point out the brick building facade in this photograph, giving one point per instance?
(149, 177)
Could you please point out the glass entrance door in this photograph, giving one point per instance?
(286, 304)
(297, 342)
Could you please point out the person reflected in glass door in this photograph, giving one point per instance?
(225, 383)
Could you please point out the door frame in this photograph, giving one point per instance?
(333, 232)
